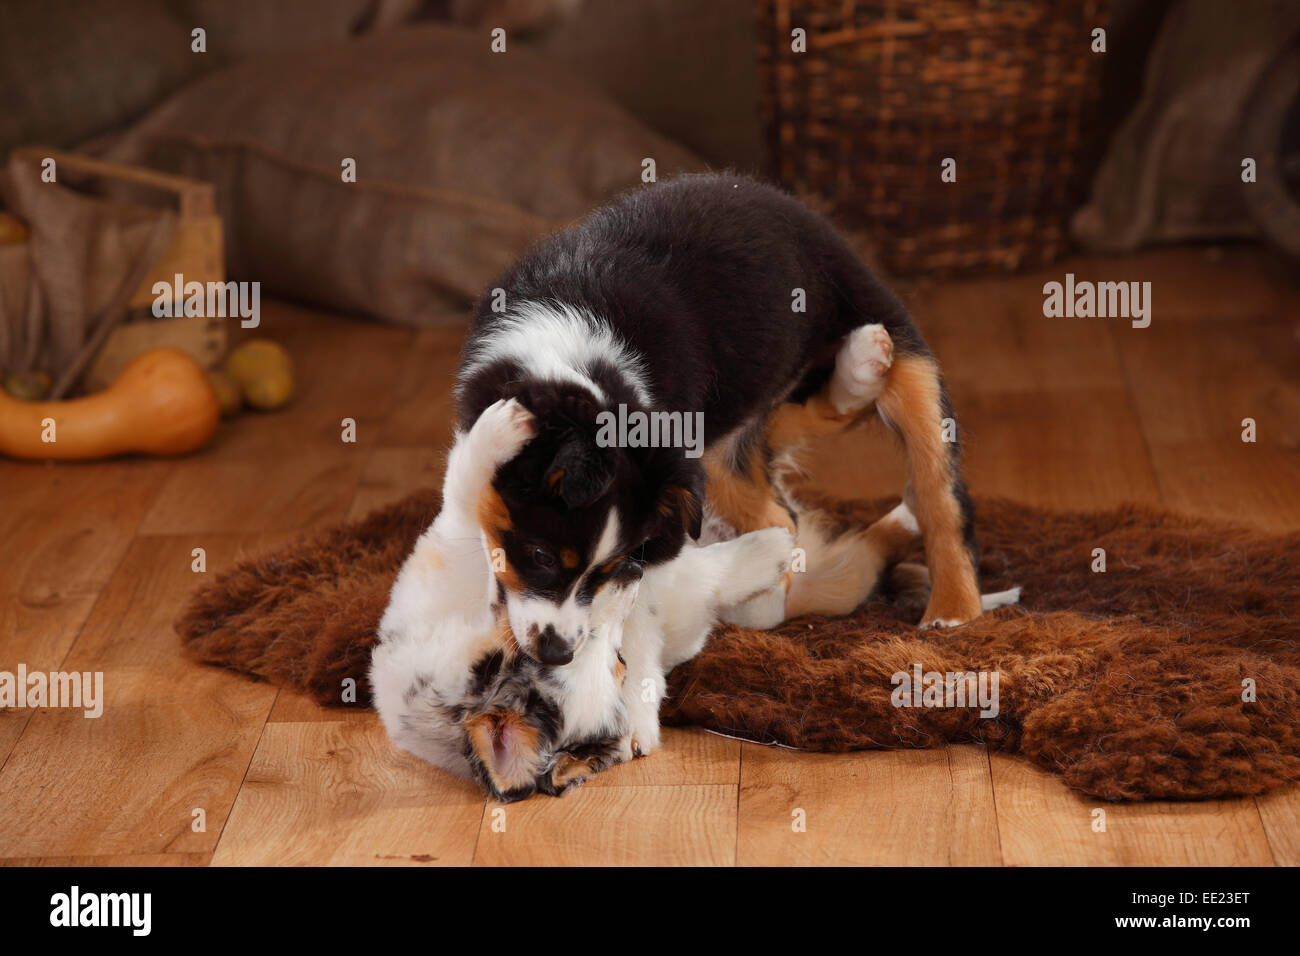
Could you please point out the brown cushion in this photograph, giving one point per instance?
(70, 69)
(463, 158)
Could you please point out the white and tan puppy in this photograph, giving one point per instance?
(452, 684)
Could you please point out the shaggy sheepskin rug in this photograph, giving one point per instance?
(1172, 674)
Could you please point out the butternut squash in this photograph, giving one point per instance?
(160, 404)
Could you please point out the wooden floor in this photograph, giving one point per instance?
(191, 765)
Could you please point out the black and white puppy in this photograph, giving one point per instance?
(710, 294)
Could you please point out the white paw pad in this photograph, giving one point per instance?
(860, 368)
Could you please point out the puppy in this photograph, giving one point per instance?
(452, 685)
(716, 295)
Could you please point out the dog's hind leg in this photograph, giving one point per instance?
(914, 403)
(740, 491)
(835, 570)
(907, 391)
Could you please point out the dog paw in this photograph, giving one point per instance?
(753, 591)
(766, 554)
(762, 612)
(940, 623)
(1000, 599)
(933, 621)
(642, 739)
(952, 607)
(502, 430)
(860, 368)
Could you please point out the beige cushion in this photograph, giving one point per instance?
(240, 28)
(72, 69)
(463, 158)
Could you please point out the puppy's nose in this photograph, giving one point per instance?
(553, 649)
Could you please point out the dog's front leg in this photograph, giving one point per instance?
(644, 683)
(496, 437)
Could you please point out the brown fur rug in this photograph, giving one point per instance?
(1128, 683)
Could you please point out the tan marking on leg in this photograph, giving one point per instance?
(746, 500)
(792, 425)
(911, 403)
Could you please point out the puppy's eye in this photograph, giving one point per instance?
(543, 558)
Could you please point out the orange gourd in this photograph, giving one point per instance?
(160, 404)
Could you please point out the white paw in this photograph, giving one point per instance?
(502, 430)
(1000, 599)
(760, 613)
(756, 563)
(902, 515)
(765, 556)
(643, 739)
(860, 368)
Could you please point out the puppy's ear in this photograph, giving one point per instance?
(682, 504)
(505, 750)
(579, 473)
(678, 511)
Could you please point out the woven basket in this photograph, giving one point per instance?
(888, 89)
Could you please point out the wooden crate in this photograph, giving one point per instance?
(196, 252)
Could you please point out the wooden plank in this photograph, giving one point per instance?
(342, 369)
(391, 474)
(423, 409)
(121, 859)
(687, 756)
(339, 793)
(1280, 813)
(212, 494)
(885, 808)
(1044, 823)
(65, 527)
(613, 826)
(1192, 387)
(1042, 405)
(1189, 285)
(292, 707)
(173, 737)
(990, 336)
(1060, 450)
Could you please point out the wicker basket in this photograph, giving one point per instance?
(888, 89)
